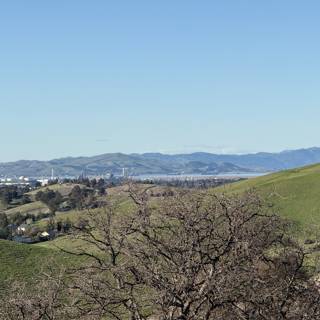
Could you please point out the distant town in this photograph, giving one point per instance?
(34, 182)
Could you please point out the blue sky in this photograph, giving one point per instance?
(89, 77)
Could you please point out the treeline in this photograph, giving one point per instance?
(190, 183)
(10, 227)
(15, 195)
(51, 198)
(81, 197)
(94, 183)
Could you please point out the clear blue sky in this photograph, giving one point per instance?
(89, 77)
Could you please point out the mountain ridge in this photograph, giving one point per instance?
(159, 163)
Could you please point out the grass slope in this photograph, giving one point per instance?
(35, 208)
(295, 194)
(64, 189)
(21, 262)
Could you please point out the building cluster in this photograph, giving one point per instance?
(23, 181)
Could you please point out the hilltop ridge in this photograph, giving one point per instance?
(158, 163)
(294, 194)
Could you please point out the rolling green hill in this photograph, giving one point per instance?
(35, 208)
(295, 194)
(22, 262)
(64, 189)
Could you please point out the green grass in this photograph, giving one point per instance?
(35, 208)
(294, 193)
(122, 201)
(67, 243)
(22, 262)
(38, 207)
(64, 189)
(72, 215)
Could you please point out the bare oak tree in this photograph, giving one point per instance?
(189, 256)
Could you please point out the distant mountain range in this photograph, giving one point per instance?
(157, 163)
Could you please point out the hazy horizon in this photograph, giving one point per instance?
(165, 153)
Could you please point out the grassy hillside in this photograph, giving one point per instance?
(64, 189)
(23, 262)
(295, 194)
(35, 208)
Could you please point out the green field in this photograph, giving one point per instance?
(38, 207)
(22, 262)
(295, 195)
(35, 208)
(64, 189)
